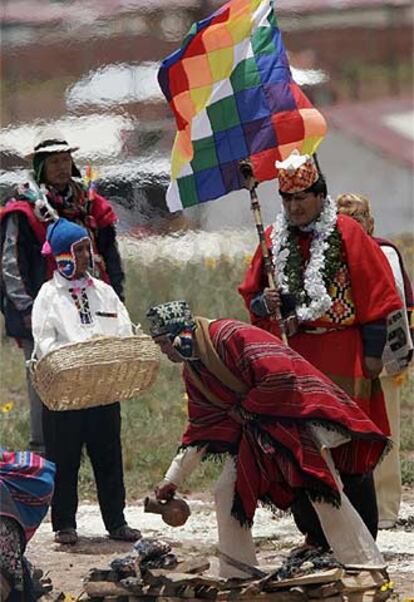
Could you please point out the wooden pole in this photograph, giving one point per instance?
(251, 185)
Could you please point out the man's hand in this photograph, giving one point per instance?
(272, 299)
(165, 490)
(373, 366)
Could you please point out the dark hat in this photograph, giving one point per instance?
(170, 318)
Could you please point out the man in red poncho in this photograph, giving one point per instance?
(277, 417)
(336, 290)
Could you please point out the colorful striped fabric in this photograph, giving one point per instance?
(233, 96)
(29, 479)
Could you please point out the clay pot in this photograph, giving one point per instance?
(174, 512)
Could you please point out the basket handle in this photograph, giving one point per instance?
(31, 363)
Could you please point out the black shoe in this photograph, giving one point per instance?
(125, 533)
(66, 536)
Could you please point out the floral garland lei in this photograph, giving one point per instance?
(310, 287)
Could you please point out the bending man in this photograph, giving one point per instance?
(276, 416)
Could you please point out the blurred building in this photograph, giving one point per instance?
(90, 66)
(365, 46)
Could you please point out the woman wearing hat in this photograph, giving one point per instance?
(72, 307)
(23, 232)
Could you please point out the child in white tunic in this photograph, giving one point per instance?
(73, 307)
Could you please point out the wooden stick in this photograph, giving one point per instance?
(251, 185)
(242, 566)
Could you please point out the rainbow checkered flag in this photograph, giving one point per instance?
(233, 97)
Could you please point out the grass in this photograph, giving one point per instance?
(407, 431)
(153, 423)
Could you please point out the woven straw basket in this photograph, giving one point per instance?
(95, 372)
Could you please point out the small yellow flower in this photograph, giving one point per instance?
(210, 262)
(247, 258)
(387, 586)
(400, 379)
(7, 407)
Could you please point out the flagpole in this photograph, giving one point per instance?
(251, 185)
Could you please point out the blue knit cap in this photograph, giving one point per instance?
(60, 238)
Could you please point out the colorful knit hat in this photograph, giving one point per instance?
(296, 173)
(175, 320)
(61, 236)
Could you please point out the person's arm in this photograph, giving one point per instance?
(374, 337)
(403, 284)
(15, 267)
(184, 463)
(44, 334)
(108, 248)
(124, 321)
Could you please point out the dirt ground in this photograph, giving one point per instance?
(275, 537)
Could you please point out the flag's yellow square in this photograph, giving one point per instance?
(239, 28)
(200, 97)
(221, 63)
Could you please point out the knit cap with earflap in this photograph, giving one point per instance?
(61, 236)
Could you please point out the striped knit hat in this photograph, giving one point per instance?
(61, 236)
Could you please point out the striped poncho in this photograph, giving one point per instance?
(254, 397)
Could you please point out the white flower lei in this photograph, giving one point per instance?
(313, 283)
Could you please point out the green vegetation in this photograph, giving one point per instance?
(152, 424)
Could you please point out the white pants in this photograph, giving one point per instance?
(344, 529)
(234, 540)
(387, 475)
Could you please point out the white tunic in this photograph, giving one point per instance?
(69, 311)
